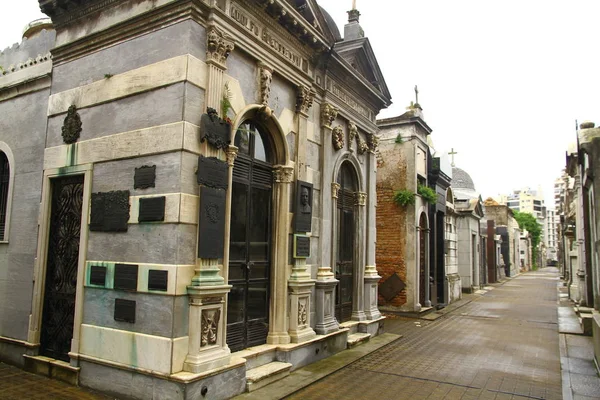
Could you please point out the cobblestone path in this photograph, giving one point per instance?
(502, 345)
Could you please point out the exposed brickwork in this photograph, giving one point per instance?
(391, 223)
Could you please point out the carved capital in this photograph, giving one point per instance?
(218, 46)
(335, 189)
(304, 99)
(360, 199)
(337, 137)
(231, 154)
(328, 114)
(266, 76)
(283, 174)
(372, 142)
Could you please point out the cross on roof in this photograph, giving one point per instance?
(416, 93)
(451, 154)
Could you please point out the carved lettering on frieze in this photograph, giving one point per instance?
(348, 99)
(304, 99)
(352, 133)
(210, 327)
(266, 76)
(71, 128)
(219, 46)
(328, 114)
(337, 136)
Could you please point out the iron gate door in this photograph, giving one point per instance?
(250, 243)
(344, 268)
(61, 267)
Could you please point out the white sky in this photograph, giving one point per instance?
(500, 81)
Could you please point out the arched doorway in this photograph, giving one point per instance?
(250, 238)
(346, 217)
(423, 275)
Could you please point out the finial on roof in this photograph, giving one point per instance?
(353, 14)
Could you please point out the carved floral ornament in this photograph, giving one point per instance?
(71, 128)
(304, 99)
(328, 114)
(210, 327)
(218, 46)
(283, 175)
(302, 314)
(337, 136)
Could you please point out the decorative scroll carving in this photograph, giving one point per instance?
(304, 99)
(266, 76)
(335, 189)
(283, 175)
(362, 145)
(219, 46)
(352, 133)
(337, 135)
(302, 314)
(210, 327)
(360, 199)
(71, 128)
(372, 142)
(328, 114)
(214, 129)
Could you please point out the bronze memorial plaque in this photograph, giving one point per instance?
(144, 177)
(126, 277)
(98, 275)
(213, 172)
(110, 211)
(303, 209)
(152, 209)
(124, 310)
(158, 280)
(301, 246)
(211, 232)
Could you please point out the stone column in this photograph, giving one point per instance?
(358, 313)
(325, 286)
(278, 312)
(218, 47)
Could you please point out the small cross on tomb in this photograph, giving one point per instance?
(452, 153)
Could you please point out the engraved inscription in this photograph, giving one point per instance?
(349, 100)
(301, 246)
(144, 177)
(213, 172)
(110, 211)
(126, 277)
(152, 209)
(158, 280)
(124, 310)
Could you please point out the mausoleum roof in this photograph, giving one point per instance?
(331, 24)
(461, 179)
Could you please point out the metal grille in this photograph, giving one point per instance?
(4, 182)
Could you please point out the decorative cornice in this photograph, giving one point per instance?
(65, 11)
(29, 63)
(304, 99)
(337, 137)
(218, 46)
(328, 114)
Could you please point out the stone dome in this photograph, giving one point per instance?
(461, 180)
(331, 24)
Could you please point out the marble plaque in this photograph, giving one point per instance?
(126, 277)
(152, 209)
(110, 211)
(158, 280)
(144, 177)
(301, 246)
(213, 172)
(98, 275)
(124, 310)
(211, 230)
(391, 287)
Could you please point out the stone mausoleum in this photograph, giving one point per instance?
(187, 193)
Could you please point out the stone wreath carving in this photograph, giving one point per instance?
(328, 114)
(210, 327)
(71, 128)
(337, 135)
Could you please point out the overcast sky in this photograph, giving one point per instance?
(501, 82)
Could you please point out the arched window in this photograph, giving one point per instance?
(4, 186)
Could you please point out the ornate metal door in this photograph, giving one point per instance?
(250, 243)
(61, 267)
(344, 268)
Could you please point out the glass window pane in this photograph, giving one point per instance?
(235, 305)
(259, 147)
(242, 139)
(259, 224)
(257, 301)
(237, 241)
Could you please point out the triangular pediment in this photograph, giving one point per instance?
(359, 54)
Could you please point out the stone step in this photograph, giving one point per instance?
(357, 338)
(351, 325)
(51, 368)
(266, 374)
(587, 321)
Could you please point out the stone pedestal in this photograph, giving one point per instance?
(207, 347)
(325, 307)
(300, 291)
(371, 284)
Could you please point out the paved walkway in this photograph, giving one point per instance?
(502, 343)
